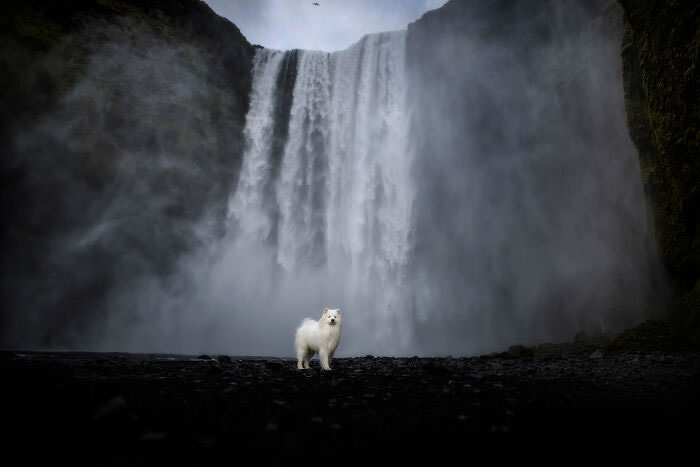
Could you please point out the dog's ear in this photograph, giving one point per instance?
(325, 311)
(338, 310)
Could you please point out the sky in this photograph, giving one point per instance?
(333, 25)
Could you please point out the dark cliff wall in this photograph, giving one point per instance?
(661, 56)
(121, 131)
(530, 209)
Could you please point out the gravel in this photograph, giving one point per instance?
(129, 409)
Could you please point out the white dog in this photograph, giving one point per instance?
(318, 337)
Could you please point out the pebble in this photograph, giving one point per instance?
(248, 401)
(113, 406)
(153, 436)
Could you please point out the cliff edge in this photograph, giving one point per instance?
(661, 56)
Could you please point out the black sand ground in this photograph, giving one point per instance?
(143, 409)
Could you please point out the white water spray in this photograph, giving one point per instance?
(343, 193)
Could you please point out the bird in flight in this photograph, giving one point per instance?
(315, 4)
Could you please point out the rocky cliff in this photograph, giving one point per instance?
(121, 130)
(661, 56)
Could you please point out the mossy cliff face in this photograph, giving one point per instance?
(121, 133)
(661, 56)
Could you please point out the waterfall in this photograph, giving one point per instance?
(247, 205)
(324, 189)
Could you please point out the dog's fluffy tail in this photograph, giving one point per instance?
(301, 326)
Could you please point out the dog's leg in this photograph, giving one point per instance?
(301, 357)
(307, 359)
(323, 355)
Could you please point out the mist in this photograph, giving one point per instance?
(456, 188)
(532, 204)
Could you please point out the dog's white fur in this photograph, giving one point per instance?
(318, 337)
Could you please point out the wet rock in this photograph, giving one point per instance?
(153, 436)
(204, 357)
(273, 365)
(596, 355)
(434, 366)
(337, 382)
(206, 442)
(115, 406)
(224, 359)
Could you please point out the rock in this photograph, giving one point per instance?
(114, 406)
(337, 382)
(204, 357)
(434, 366)
(597, 354)
(153, 436)
(273, 365)
(224, 359)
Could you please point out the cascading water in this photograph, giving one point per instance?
(504, 209)
(324, 191)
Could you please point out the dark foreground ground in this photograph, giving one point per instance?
(132, 409)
